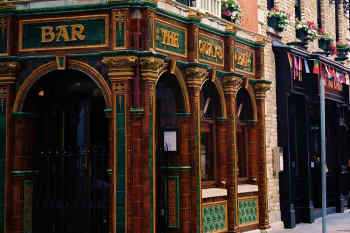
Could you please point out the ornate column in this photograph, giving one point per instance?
(232, 84)
(8, 72)
(121, 71)
(194, 77)
(260, 89)
(150, 67)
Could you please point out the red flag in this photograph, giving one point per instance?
(316, 69)
(300, 69)
(290, 60)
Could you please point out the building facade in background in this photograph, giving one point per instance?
(135, 116)
(294, 63)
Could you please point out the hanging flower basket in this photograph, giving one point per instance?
(342, 51)
(324, 44)
(277, 19)
(306, 32)
(231, 11)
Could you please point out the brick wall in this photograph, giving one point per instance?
(308, 13)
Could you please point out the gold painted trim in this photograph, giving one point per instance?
(257, 209)
(216, 203)
(62, 19)
(237, 45)
(114, 25)
(172, 26)
(59, 67)
(201, 34)
(8, 39)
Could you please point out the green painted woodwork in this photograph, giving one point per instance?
(247, 211)
(234, 171)
(197, 171)
(175, 168)
(3, 108)
(137, 111)
(120, 34)
(120, 163)
(177, 194)
(24, 172)
(214, 218)
(248, 53)
(94, 32)
(208, 58)
(109, 171)
(181, 50)
(150, 164)
(249, 42)
(3, 37)
(27, 210)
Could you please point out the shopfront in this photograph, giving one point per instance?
(298, 74)
(112, 122)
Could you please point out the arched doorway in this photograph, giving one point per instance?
(69, 152)
(169, 103)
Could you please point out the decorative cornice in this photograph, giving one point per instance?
(195, 76)
(8, 71)
(120, 62)
(232, 84)
(151, 66)
(260, 89)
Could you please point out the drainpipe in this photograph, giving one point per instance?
(323, 156)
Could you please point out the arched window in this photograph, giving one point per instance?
(209, 104)
(245, 140)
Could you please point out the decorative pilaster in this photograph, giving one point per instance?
(121, 71)
(260, 90)
(232, 84)
(150, 69)
(194, 78)
(8, 72)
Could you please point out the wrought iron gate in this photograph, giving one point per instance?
(71, 191)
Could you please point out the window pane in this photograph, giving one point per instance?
(207, 161)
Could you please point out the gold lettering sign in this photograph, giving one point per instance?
(210, 50)
(169, 38)
(61, 33)
(243, 60)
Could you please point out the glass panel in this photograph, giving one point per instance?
(207, 160)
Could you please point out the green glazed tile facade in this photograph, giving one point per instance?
(248, 211)
(177, 200)
(2, 163)
(120, 164)
(216, 48)
(120, 34)
(3, 36)
(250, 57)
(214, 218)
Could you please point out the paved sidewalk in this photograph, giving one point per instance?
(336, 223)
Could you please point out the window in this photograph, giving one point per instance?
(245, 137)
(319, 14)
(297, 9)
(270, 4)
(336, 13)
(209, 111)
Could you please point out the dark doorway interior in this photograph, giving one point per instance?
(71, 191)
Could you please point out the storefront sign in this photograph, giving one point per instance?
(63, 33)
(211, 50)
(332, 84)
(170, 39)
(244, 60)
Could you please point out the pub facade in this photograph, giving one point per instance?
(123, 116)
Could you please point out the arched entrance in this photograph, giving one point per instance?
(69, 151)
(170, 104)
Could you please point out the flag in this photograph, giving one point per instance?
(307, 69)
(327, 73)
(290, 59)
(333, 74)
(347, 81)
(316, 69)
(337, 78)
(296, 68)
(300, 69)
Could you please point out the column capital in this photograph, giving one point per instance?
(120, 67)
(195, 76)
(260, 89)
(232, 84)
(8, 71)
(151, 67)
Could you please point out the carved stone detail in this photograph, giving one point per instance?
(151, 67)
(120, 88)
(232, 85)
(3, 93)
(8, 71)
(260, 90)
(195, 76)
(120, 62)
